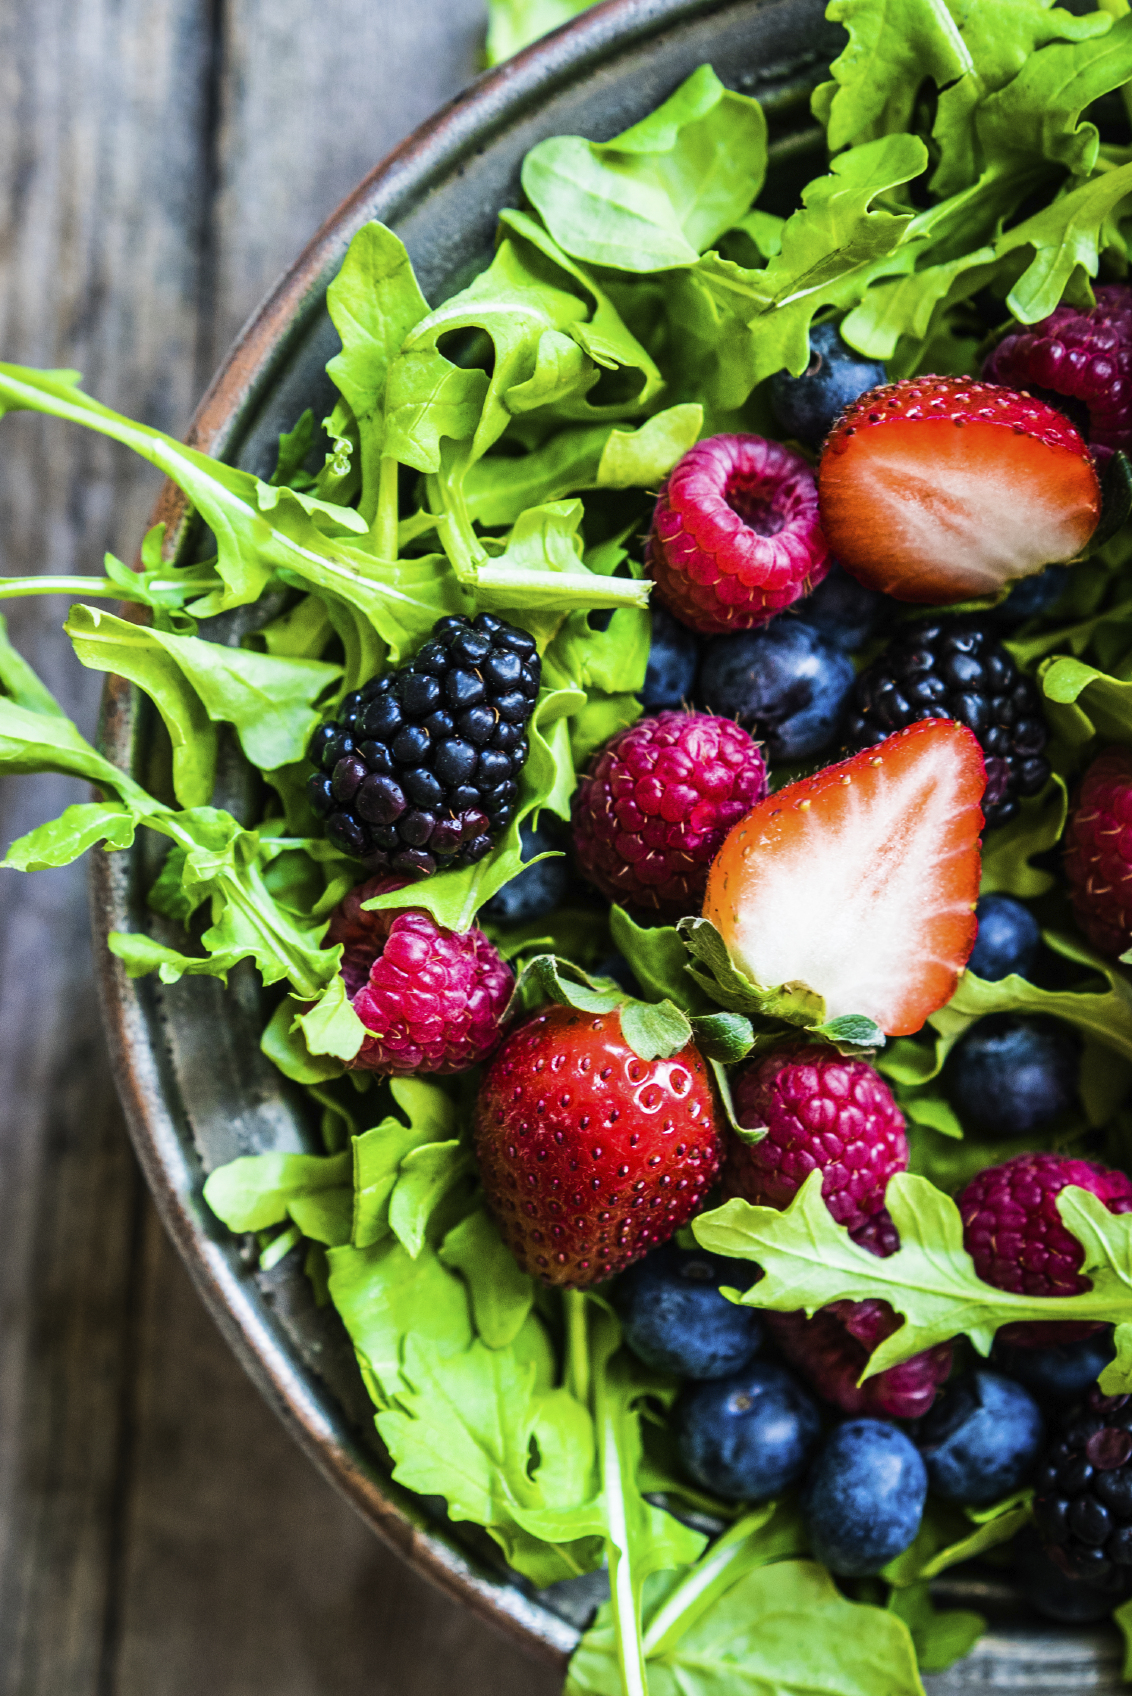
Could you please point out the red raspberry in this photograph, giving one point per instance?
(819, 1110)
(1098, 853)
(1084, 358)
(1014, 1234)
(831, 1349)
(736, 534)
(431, 999)
(589, 1155)
(652, 812)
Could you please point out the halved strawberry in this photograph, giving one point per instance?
(861, 881)
(941, 489)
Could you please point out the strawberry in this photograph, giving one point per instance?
(940, 489)
(861, 881)
(589, 1155)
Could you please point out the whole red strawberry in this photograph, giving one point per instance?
(589, 1155)
(652, 811)
(1080, 357)
(941, 489)
(831, 1350)
(431, 999)
(1098, 853)
(736, 535)
(1014, 1233)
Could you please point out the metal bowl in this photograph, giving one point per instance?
(196, 1090)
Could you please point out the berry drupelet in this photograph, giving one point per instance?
(955, 668)
(420, 770)
(1083, 1498)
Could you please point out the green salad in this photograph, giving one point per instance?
(494, 481)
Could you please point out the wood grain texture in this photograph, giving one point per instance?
(159, 1533)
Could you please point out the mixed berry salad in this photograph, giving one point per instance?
(689, 675)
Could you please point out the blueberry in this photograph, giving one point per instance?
(1032, 596)
(1008, 941)
(535, 891)
(1010, 1076)
(750, 1436)
(673, 661)
(843, 610)
(785, 683)
(981, 1439)
(806, 406)
(1072, 1601)
(1061, 1373)
(865, 1497)
(675, 1319)
(616, 966)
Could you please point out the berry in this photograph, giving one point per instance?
(674, 659)
(590, 1156)
(786, 683)
(675, 1320)
(954, 668)
(1078, 361)
(806, 406)
(1032, 597)
(1083, 1493)
(1060, 1373)
(941, 489)
(1098, 853)
(1070, 1601)
(616, 966)
(1008, 940)
(843, 610)
(864, 1498)
(819, 1110)
(736, 536)
(657, 802)
(831, 1350)
(536, 890)
(748, 1437)
(1012, 1076)
(861, 881)
(431, 999)
(420, 769)
(1014, 1234)
(981, 1439)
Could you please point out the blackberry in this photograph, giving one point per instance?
(955, 668)
(1083, 1495)
(421, 768)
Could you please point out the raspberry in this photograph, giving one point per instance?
(431, 999)
(831, 1349)
(1083, 1495)
(819, 1110)
(736, 535)
(420, 770)
(653, 810)
(1014, 1234)
(1080, 362)
(1098, 854)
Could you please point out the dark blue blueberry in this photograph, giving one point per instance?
(806, 406)
(675, 1320)
(1072, 1601)
(750, 1436)
(1060, 1374)
(616, 966)
(674, 659)
(1008, 941)
(865, 1497)
(785, 683)
(843, 610)
(981, 1439)
(1032, 596)
(1010, 1076)
(535, 891)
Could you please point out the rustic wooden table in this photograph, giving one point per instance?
(160, 162)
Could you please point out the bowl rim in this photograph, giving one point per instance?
(458, 130)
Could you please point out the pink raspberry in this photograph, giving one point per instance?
(831, 1349)
(431, 999)
(1084, 358)
(651, 813)
(819, 1110)
(736, 535)
(1098, 853)
(1014, 1234)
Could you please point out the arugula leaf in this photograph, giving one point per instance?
(258, 1190)
(940, 1637)
(658, 194)
(1008, 852)
(20, 683)
(62, 840)
(1083, 702)
(501, 1295)
(384, 1297)
(35, 740)
(513, 24)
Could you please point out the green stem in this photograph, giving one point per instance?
(707, 1579)
(385, 522)
(101, 588)
(577, 1346)
(622, 1591)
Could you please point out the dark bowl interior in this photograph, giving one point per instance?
(196, 1089)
